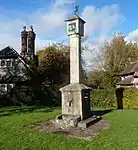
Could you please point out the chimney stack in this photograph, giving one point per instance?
(24, 41)
(31, 41)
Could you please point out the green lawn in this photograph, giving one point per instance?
(15, 134)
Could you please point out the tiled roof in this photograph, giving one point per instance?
(130, 69)
(126, 81)
(8, 52)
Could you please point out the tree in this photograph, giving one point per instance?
(112, 58)
(54, 60)
(117, 54)
(95, 78)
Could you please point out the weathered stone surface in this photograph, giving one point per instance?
(75, 48)
(74, 121)
(66, 121)
(88, 122)
(81, 133)
(76, 100)
(75, 96)
(75, 87)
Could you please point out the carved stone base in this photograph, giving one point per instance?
(76, 100)
(66, 121)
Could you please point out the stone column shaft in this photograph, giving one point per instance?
(75, 57)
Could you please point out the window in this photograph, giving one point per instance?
(3, 63)
(9, 87)
(8, 63)
(3, 88)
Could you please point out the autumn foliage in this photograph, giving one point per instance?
(54, 61)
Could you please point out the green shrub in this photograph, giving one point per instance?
(106, 98)
(103, 98)
(130, 100)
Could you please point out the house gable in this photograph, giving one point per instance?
(8, 52)
(12, 65)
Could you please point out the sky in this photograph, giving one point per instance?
(103, 19)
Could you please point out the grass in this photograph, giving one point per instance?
(15, 134)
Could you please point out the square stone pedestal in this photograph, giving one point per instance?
(76, 109)
(76, 101)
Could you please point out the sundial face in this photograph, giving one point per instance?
(72, 27)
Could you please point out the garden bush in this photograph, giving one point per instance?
(130, 100)
(103, 98)
(106, 98)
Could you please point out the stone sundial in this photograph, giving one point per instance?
(76, 109)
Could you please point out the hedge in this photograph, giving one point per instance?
(130, 100)
(105, 98)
